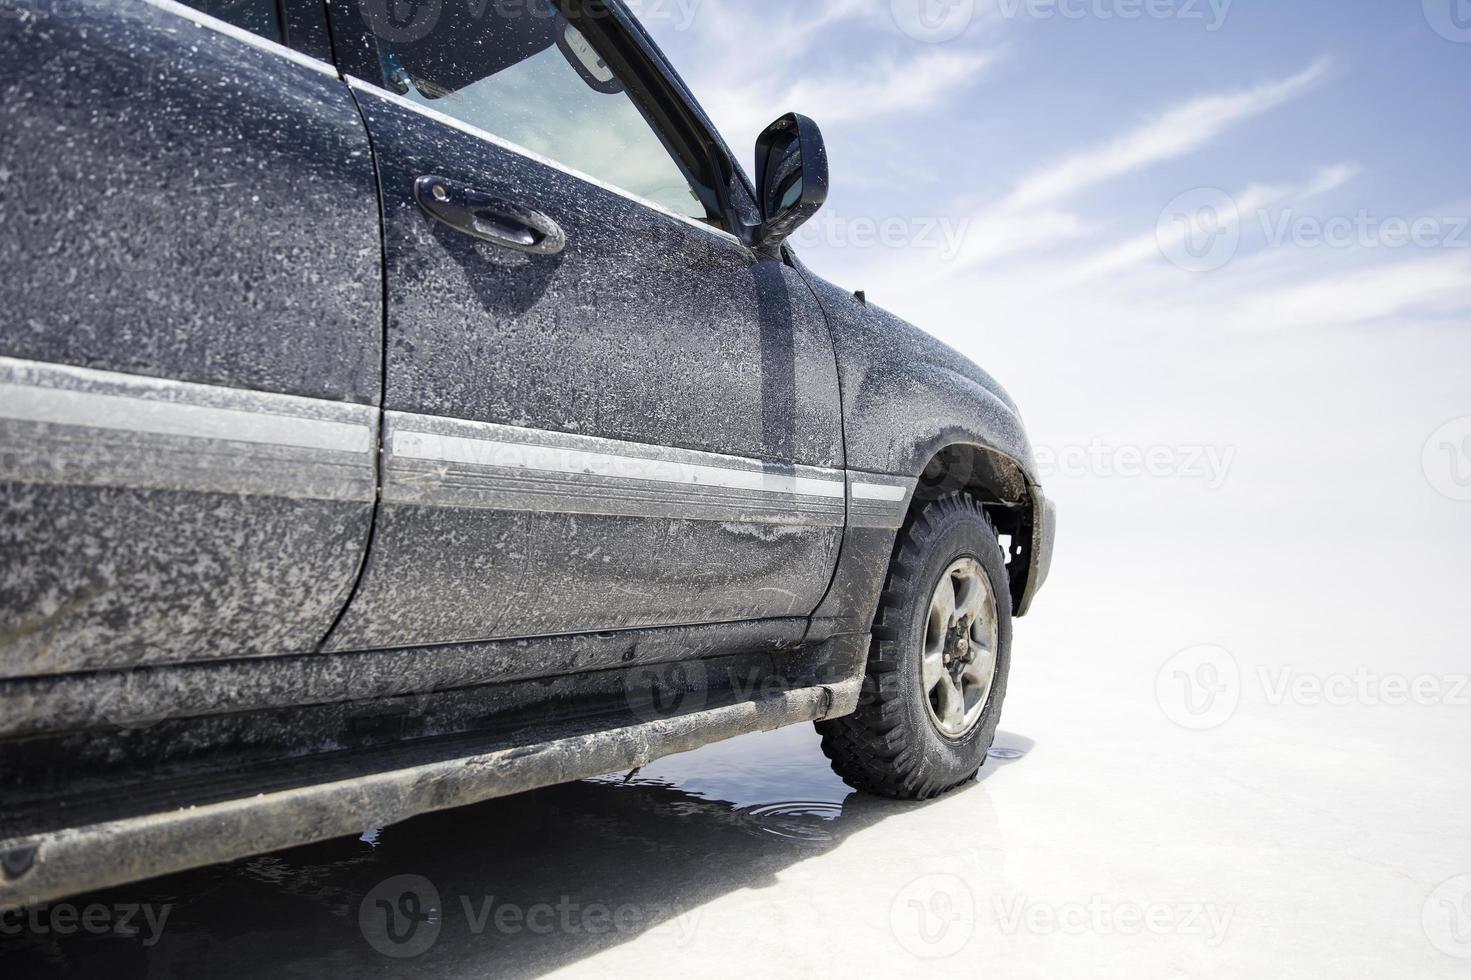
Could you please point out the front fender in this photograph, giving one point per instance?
(907, 396)
(907, 400)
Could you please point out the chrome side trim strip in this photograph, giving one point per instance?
(360, 85)
(439, 462)
(83, 427)
(245, 37)
(878, 501)
(879, 491)
(136, 412)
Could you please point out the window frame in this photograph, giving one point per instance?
(304, 24)
(696, 121)
(278, 9)
(699, 153)
(317, 57)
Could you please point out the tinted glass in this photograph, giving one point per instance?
(523, 73)
(261, 17)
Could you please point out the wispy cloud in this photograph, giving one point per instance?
(893, 87)
(868, 95)
(1034, 216)
(1178, 131)
(1148, 247)
(998, 234)
(1440, 283)
(785, 32)
(743, 88)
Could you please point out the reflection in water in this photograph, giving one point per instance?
(805, 823)
(512, 887)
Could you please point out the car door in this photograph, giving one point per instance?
(602, 410)
(190, 333)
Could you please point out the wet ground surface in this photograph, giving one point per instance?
(517, 886)
(1215, 783)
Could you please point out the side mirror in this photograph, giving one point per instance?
(791, 172)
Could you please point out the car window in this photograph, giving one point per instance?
(522, 72)
(261, 17)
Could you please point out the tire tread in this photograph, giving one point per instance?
(873, 749)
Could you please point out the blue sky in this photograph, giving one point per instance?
(1052, 136)
(1321, 351)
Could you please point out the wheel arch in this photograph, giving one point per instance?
(1010, 497)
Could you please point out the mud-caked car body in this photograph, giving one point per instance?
(405, 404)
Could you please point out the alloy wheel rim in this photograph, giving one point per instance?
(958, 662)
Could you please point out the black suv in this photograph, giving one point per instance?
(409, 402)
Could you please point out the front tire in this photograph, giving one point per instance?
(938, 663)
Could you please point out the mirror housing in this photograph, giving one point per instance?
(791, 177)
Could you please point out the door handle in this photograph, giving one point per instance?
(489, 218)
